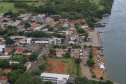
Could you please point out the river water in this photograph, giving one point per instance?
(114, 42)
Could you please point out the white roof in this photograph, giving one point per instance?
(59, 76)
(1, 47)
(102, 66)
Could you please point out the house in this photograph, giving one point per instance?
(34, 26)
(1, 42)
(84, 27)
(75, 53)
(72, 28)
(29, 40)
(55, 41)
(8, 52)
(23, 41)
(69, 32)
(7, 70)
(19, 37)
(74, 38)
(71, 42)
(13, 62)
(65, 25)
(39, 28)
(17, 42)
(55, 78)
(21, 28)
(48, 20)
(16, 23)
(28, 65)
(18, 50)
(2, 48)
(3, 80)
(59, 54)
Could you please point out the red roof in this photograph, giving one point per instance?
(19, 26)
(9, 51)
(19, 49)
(17, 41)
(7, 70)
(35, 25)
(3, 78)
(1, 41)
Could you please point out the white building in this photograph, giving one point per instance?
(55, 41)
(2, 48)
(55, 78)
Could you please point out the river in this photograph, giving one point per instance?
(114, 42)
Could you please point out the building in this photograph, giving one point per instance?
(23, 41)
(55, 78)
(8, 52)
(18, 50)
(17, 42)
(55, 41)
(59, 54)
(19, 37)
(28, 65)
(13, 62)
(69, 32)
(40, 41)
(3, 80)
(7, 70)
(2, 48)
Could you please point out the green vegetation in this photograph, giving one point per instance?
(4, 64)
(78, 68)
(19, 58)
(61, 46)
(33, 56)
(7, 6)
(90, 62)
(69, 65)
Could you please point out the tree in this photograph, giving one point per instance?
(76, 25)
(67, 55)
(86, 35)
(36, 80)
(90, 62)
(78, 60)
(56, 46)
(24, 79)
(51, 51)
(36, 72)
(81, 80)
(19, 58)
(27, 25)
(13, 75)
(9, 41)
(48, 82)
(90, 46)
(33, 56)
(50, 29)
(63, 46)
(80, 30)
(85, 46)
(4, 64)
(42, 67)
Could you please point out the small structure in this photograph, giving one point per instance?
(8, 52)
(19, 37)
(2, 48)
(59, 54)
(13, 62)
(17, 42)
(7, 70)
(3, 80)
(18, 50)
(55, 78)
(102, 67)
(28, 65)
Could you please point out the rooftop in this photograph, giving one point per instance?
(3, 78)
(7, 70)
(59, 76)
(19, 49)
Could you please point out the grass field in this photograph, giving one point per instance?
(7, 6)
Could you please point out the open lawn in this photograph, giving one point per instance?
(79, 72)
(62, 66)
(7, 6)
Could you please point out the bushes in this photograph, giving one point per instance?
(78, 60)
(101, 78)
(94, 76)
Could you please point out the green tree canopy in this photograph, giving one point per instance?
(33, 56)
(90, 62)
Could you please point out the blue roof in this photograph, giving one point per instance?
(71, 79)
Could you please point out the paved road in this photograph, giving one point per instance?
(34, 65)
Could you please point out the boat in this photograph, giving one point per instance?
(104, 22)
(99, 24)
